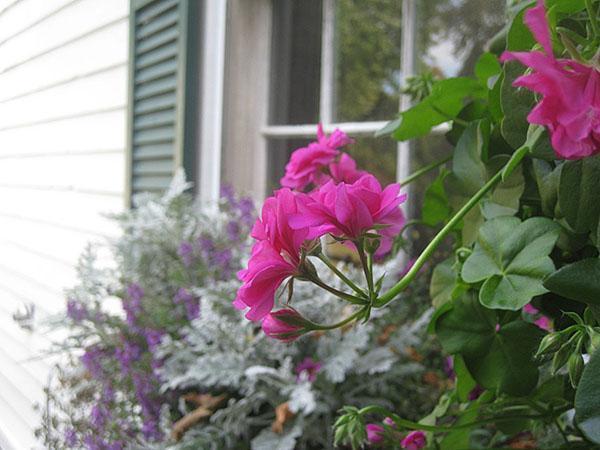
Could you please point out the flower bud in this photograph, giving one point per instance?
(415, 440)
(561, 357)
(550, 343)
(575, 368)
(284, 325)
(375, 433)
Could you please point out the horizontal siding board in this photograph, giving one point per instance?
(78, 134)
(68, 211)
(25, 14)
(78, 19)
(94, 172)
(92, 53)
(99, 92)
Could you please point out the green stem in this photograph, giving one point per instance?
(436, 428)
(436, 241)
(343, 295)
(593, 17)
(341, 276)
(347, 320)
(423, 170)
(365, 264)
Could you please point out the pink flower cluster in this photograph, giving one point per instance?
(345, 202)
(570, 105)
(320, 162)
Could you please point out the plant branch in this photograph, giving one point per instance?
(436, 241)
(593, 17)
(343, 295)
(341, 276)
(423, 170)
(347, 320)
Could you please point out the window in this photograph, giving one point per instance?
(163, 88)
(339, 63)
(292, 63)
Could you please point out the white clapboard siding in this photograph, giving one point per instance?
(63, 100)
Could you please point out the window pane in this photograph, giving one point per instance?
(377, 156)
(296, 61)
(453, 33)
(367, 69)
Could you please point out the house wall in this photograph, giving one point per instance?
(63, 83)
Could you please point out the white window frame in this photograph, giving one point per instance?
(242, 129)
(367, 128)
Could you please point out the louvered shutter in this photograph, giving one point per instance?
(163, 83)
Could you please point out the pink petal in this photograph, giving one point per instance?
(535, 19)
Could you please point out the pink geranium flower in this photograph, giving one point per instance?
(570, 91)
(275, 257)
(307, 163)
(415, 440)
(267, 269)
(344, 170)
(351, 210)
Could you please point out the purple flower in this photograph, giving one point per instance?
(228, 194)
(153, 337)
(415, 440)
(207, 246)
(246, 209)
(186, 253)
(308, 369)
(99, 416)
(127, 354)
(132, 305)
(76, 311)
(92, 360)
(223, 260)
(233, 231)
(70, 437)
(189, 301)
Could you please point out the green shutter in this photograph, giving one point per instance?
(163, 83)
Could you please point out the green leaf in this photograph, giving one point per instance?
(578, 194)
(511, 258)
(516, 104)
(587, 400)
(547, 179)
(579, 281)
(443, 281)
(468, 170)
(566, 6)
(446, 100)
(543, 149)
(533, 136)
(487, 66)
(498, 360)
(435, 204)
(464, 381)
(519, 37)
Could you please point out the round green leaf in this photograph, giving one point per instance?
(587, 400)
(511, 258)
